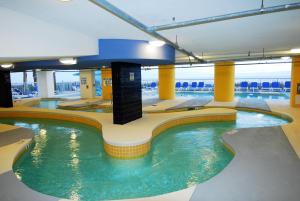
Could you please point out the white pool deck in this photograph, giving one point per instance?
(134, 133)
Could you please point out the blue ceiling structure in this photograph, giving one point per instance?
(110, 50)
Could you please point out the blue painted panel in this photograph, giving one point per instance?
(111, 50)
(121, 49)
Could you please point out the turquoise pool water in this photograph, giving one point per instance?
(49, 104)
(67, 159)
(256, 95)
(281, 96)
(52, 104)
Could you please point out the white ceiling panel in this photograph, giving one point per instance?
(157, 12)
(79, 15)
(272, 32)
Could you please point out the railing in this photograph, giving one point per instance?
(147, 83)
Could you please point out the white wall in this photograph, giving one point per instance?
(22, 36)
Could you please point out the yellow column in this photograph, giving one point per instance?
(224, 81)
(166, 81)
(295, 82)
(106, 83)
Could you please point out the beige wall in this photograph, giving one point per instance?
(87, 84)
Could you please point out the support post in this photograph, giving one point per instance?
(166, 82)
(5, 89)
(127, 92)
(224, 81)
(87, 84)
(295, 82)
(106, 83)
(45, 84)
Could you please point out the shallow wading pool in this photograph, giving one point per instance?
(67, 160)
(53, 104)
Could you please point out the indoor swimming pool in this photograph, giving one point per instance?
(67, 160)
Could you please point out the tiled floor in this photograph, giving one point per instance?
(264, 168)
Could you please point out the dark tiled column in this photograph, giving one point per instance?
(127, 93)
(5, 89)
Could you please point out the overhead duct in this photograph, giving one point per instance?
(261, 11)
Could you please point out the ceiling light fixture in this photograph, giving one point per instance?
(296, 50)
(157, 43)
(65, 0)
(285, 58)
(68, 61)
(7, 65)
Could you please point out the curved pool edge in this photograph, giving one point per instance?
(114, 143)
(184, 194)
(256, 166)
(11, 187)
(139, 150)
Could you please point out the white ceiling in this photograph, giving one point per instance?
(276, 32)
(157, 12)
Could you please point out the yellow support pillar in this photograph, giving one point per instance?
(106, 83)
(224, 81)
(166, 81)
(295, 82)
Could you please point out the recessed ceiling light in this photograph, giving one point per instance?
(65, 0)
(296, 50)
(68, 61)
(157, 43)
(8, 65)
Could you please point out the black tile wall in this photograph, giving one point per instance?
(127, 92)
(5, 90)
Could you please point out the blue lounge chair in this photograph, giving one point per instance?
(287, 86)
(153, 85)
(265, 86)
(208, 87)
(253, 86)
(276, 86)
(244, 86)
(200, 85)
(177, 85)
(185, 85)
(194, 85)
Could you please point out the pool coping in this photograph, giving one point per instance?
(125, 141)
(185, 192)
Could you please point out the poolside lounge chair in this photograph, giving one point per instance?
(244, 86)
(265, 86)
(276, 86)
(185, 85)
(177, 86)
(287, 86)
(253, 86)
(208, 87)
(194, 86)
(153, 85)
(200, 85)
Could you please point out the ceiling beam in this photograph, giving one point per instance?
(134, 22)
(261, 11)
